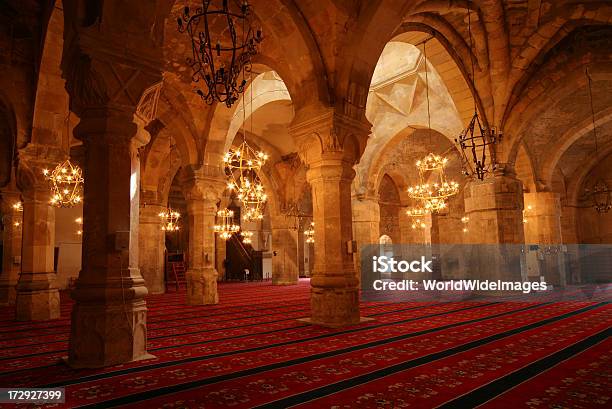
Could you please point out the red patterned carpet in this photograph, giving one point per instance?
(249, 351)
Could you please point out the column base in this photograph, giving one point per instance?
(334, 307)
(202, 286)
(108, 334)
(37, 304)
(311, 322)
(283, 281)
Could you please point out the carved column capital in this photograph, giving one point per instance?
(97, 76)
(327, 134)
(201, 184)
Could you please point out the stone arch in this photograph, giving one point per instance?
(548, 35)
(301, 65)
(266, 88)
(561, 75)
(379, 23)
(446, 119)
(51, 99)
(173, 121)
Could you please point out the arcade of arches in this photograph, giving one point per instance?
(338, 98)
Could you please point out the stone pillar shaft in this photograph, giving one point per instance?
(11, 247)
(109, 315)
(285, 269)
(151, 248)
(366, 226)
(203, 189)
(543, 228)
(37, 293)
(494, 207)
(330, 142)
(201, 275)
(543, 218)
(335, 292)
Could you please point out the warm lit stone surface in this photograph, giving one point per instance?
(202, 193)
(37, 292)
(366, 225)
(11, 246)
(495, 209)
(151, 248)
(328, 144)
(109, 316)
(342, 97)
(285, 244)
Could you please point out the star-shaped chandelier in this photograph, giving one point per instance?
(418, 213)
(247, 237)
(309, 233)
(242, 167)
(66, 183)
(226, 226)
(432, 195)
(170, 219)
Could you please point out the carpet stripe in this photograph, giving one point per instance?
(137, 397)
(359, 380)
(487, 392)
(261, 348)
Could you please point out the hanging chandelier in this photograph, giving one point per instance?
(223, 43)
(433, 195)
(226, 228)
(600, 194)
(242, 165)
(465, 220)
(253, 213)
(417, 213)
(309, 233)
(418, 224)
(66, 183)
(601, 197)
(247, 237)
(79, 222)
(475, 140)
(18, 207)
(169, 219)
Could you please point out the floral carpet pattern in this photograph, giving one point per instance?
(250, 351)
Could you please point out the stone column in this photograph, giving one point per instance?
(220, 253)
(37, 292)
(543, 228)
(330, 144)
(366, 225)
(151, 242)
(109, 315)
(202, 192)
(284, 252)
(11, 246)
(495, 207)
